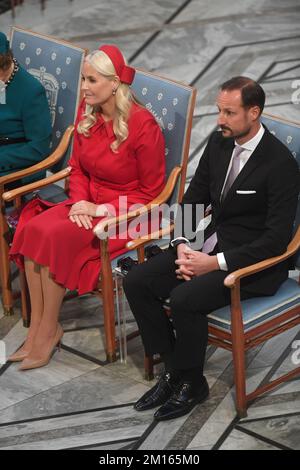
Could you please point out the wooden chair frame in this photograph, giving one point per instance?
(54, 158)
(5, 272)
(106, 287)
(238, 341)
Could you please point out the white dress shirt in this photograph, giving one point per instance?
(249, 148)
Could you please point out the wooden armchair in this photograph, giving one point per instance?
(245, 324)
(57, 64)
(172, 104)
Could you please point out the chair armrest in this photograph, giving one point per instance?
(54, 158)
(232, 280)
(140, 242)
(28, 188)
(103, 226)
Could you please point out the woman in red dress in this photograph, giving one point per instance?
(118, 151)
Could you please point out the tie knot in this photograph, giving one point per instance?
(238, 150)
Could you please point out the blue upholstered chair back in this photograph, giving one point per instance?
(172, 105)
(289, 134)
(57, 65)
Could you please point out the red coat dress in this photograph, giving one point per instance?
(100, 176)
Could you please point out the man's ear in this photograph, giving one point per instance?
(255, 112)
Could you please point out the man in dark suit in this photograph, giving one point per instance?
(252, 183)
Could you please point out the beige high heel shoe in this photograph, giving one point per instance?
(18, 356)
(35, 363)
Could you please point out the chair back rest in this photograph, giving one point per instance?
(289, 134)
(57, 65)
(172, 105)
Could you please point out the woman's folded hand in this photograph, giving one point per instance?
(82, 220)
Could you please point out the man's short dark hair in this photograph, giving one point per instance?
(251, 92)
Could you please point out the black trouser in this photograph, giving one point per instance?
(145, 287)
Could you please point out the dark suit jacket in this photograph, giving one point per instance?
(249, 227)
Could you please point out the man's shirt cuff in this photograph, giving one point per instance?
(178, 240)
(222, 262)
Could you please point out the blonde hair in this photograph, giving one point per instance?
(124, 98)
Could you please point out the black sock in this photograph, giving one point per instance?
(194, 375)
(167, 360)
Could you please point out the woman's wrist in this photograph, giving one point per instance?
(101, 211)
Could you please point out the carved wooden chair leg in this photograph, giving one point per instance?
(5, 275)
(240, 380)
(107, 289)
(148, 367)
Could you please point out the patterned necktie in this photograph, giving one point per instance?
(234, 170)
(211, 242)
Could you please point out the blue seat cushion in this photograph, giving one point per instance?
(258, 310)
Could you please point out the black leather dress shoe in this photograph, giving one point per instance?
(158, 394)
(182, 401)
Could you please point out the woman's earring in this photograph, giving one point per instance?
(114, 92)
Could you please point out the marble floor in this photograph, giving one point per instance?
(79, 401)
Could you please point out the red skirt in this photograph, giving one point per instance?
(46, 235)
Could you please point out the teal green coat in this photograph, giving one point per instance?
(25, 114)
